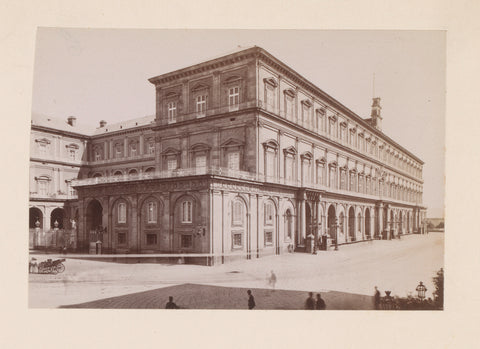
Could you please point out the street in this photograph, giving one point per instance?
(396, 265)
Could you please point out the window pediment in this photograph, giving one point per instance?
(307, 156)
(321, 111)
(72, 146)
(270, 81)
(270, 144)
(172, 95)
(199, 147)
(43, 178)
(43, 141)
(343, 124)
(232, 142)
(321, 161)
(200, 87)
(289, 92)
(307, 103)
(290, 151)
(233, 79)
(333, 164)
(171, 151)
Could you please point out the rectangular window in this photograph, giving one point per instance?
(233, 98)
(352, 182)
(187, 212)
(42, 149)
(343, 180)
(172, 164)
(268, 237)
(72, 154)
(319, 115)
(122, 212)
(234, 161)
(122, 238)
(186, 241)
(320, 175)
(201, 161)
(133, 150)
(271, 164)
(201, 105)
(237, 240)
(289, 107)
(270, 97)
(332, 177)
(289, 168)
(151, 239)
(306, 171)
(97, 156)
(269, 212)
(172, 112)
(237, 213)
(42, 187)
(152, 212)
(151, 148)
(118, 152)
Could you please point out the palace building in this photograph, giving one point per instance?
(244, 158)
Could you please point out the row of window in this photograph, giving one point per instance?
(152, 212)
(43, 187)
(44, 150)
(119, 150)
(201, 104)
(200, 161)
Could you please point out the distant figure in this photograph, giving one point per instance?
(320, 303)
(272, 280)
(310, 302)
(251, 300)
(32, 266)
(377, 298)
(171, 304)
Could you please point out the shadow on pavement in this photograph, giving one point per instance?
(195, 296)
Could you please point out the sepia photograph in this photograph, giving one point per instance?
(237, 169)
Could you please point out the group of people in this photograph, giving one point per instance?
(315, 304)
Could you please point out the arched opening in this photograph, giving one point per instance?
(150, 170)
(367, 223)
(408, 222)
(57, 216)
(238, 225)
(351, 224)
(97, 175)
(331, 217)
(308, 219)
(94, 220)
(400, 223)
(392, 224)
(35, 215)
(132, 172)
(288, 224)
(269, 230)
(118, 173)
(151, 225)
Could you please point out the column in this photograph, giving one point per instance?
(140, 145)
(105, 150)
(302, 220)
(110, 153)
(125, 147)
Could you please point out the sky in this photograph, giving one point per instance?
(97, 74)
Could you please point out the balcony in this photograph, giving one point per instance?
(147, 156)
(50, 196)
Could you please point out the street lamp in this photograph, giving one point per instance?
(336, 234)
(421, 289)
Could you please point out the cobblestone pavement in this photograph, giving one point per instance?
(194, 296)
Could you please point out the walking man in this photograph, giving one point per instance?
(310, 302)
(251, 300)
(272, 280)
(320, 303)
(377, 298)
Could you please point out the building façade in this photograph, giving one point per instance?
(243, 158)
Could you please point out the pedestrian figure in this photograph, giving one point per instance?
(251, 300)
(310, 302)
(377, 298)
(171, 304)
(272, 279)
(320, 303)
(32, 265)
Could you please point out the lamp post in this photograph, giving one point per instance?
(336, 234)
(421, 289)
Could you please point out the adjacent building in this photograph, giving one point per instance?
(243, 158)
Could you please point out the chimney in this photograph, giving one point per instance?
(102, 123)
(376, 114)
(72, 120)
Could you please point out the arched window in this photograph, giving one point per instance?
(237, 213)
(152, 212)
(288, 224)
(122, 212)
(187, 212)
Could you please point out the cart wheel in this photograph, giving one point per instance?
(60, 268)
